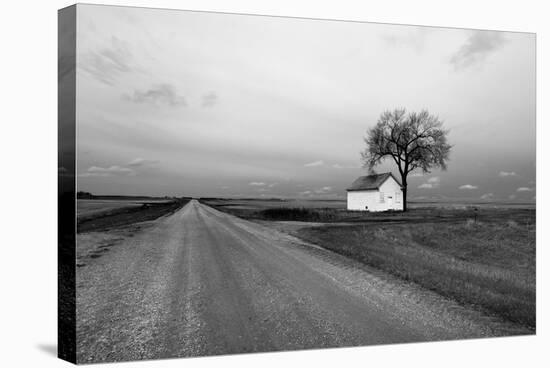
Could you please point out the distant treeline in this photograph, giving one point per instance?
(84, 195)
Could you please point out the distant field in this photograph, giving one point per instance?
(101, 214)
(275, 203)
(95, 207)
(484, 257)
(341, 204)
(463, 205)
(90, 207)
(334, 211)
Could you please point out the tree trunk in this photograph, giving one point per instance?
(404, 195)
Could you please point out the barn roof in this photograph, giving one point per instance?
(370, 182)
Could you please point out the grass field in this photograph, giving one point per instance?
(334, 212)
(86, 208)
(489, 265)
(484, 258)
(100, 214)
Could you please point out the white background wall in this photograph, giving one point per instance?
(29, 162)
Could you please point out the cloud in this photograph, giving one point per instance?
(414, 38)
(272, 185)
(487, 196)
(419, 198)
(108, 63)
(315, 163)
(338, 166)
(65, 64)
(524, 189)
(416, 174)
(256, 183)
(323, 190)
(506, 173)
(88, 175)
(159, 94)
(66, 47)
(110, 169)
(62, 171)
(107, 171)
(141, 162)
(431, 183)
(476, 48)
(467, 187)
(210, 99)
(512, 196)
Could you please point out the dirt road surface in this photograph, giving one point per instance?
(202, 282)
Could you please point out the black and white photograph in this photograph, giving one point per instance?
(245, 183)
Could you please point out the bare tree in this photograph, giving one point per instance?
(413, 141)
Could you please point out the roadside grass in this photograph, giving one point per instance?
(487, 265)
(124, 216)
(298, 214)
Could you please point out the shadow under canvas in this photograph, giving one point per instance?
(50, 349)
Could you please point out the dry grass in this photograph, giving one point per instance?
(298, 214)
(123, 216)
(488, 265)
(280, 210)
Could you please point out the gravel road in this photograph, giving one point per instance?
(202, 282)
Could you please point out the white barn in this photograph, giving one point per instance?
(380, 192)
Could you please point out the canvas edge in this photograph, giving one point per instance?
(66, 254)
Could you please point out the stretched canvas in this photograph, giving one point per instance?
(236, 183)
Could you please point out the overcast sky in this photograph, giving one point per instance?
(204, 104)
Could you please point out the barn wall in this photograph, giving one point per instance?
(357, 200)
(391, 188)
